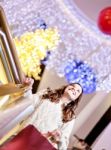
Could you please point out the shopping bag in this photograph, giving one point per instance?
(28, 139)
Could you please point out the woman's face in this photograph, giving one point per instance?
(73, 91)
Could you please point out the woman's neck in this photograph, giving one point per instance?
(64, 99)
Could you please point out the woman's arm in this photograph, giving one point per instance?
(61, 136)
(65, 134)
(28, 83)
(35, 98)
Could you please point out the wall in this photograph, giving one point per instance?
(103, 141)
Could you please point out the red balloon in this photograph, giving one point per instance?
(104, 20)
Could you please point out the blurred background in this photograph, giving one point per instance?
(64, 41)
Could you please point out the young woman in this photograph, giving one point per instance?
(54, 114)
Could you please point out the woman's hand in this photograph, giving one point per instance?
(54, 136)
(28, 82)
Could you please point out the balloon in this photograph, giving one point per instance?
(104, 20)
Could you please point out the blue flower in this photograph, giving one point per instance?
(41, 24)
(82, 73)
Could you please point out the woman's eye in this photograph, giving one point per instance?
(78, 91)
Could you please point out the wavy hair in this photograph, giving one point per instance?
(69, 109)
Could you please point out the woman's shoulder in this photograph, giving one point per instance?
(38, 96)
(41, 92)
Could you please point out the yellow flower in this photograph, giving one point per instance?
(32, 47)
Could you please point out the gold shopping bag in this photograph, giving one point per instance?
(10, 69)
(11, 79)
(9, 63)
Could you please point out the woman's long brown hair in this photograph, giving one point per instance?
(68, 110)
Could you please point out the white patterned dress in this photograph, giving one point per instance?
(48, 117)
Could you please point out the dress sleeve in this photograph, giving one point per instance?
(36, 102)
(34, 98)
(37, 97)
(66, 132)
